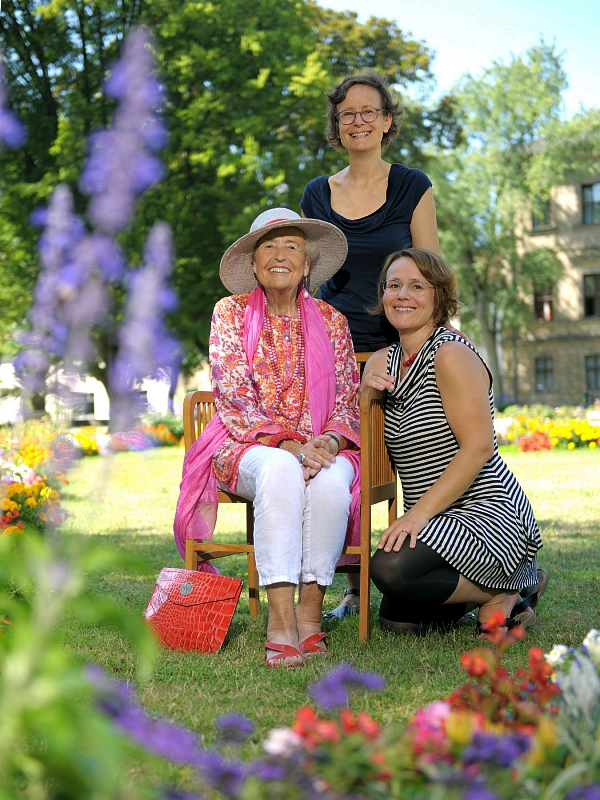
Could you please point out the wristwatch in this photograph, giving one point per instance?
(301, 457)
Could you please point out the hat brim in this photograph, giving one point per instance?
(236, 270)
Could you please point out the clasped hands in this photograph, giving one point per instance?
(319, 452)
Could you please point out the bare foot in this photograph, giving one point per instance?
(284, 637)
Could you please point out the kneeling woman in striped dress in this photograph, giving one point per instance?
(468, 537)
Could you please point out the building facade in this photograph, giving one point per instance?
(557, 360)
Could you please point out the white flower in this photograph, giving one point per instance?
(591, 644)
(282, 742)
(557, 656)
(580, 686)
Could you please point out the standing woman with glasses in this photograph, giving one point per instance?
(380, 207)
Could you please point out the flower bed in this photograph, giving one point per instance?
(26, 497)
(533, 734)
(546, 434)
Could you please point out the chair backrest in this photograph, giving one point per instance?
(378, 478)
(198, 410)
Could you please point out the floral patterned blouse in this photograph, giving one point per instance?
(249, 406)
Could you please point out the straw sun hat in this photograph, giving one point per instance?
(236, 265)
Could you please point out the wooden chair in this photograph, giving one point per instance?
(378, 483)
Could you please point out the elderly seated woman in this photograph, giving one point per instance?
(285, 382)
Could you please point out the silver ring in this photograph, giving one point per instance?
(302, 457)
(404, 530)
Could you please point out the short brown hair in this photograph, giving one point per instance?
(388, 106)
(437, 272)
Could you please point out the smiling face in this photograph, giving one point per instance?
(280, 261)
(404, 311)
(361, 135)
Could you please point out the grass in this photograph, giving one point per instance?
(131, 509)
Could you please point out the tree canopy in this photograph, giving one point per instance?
(245, 83)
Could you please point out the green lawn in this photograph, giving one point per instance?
(128, 502)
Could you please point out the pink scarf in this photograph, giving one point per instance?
(196, 513)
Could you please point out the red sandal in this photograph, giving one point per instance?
(310, 646)
(283, 651)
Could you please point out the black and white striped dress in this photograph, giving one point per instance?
(489, 534)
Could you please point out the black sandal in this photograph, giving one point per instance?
(524, 612)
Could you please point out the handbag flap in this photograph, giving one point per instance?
(189, 588)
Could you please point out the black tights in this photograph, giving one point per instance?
(415, 583)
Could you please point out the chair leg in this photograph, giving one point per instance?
(191, 555)
(364, 608)
(253, 592)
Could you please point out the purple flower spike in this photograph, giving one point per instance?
(119, 168)
(234, 727)
(12, 133)
(332, 691)
(62, 235)
(145, 347)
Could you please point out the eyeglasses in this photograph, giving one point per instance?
(367, 115)
(414, 288)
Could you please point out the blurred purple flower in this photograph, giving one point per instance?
(234, 727)
(269, 770)
(479, 792)
(49, 330)
(119, 166)
(12, 133)
(157, 736)
(499, 750)
(225, 776)
(590, 791)
(332, 691)
(145, 347)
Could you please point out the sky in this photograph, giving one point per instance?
(468, 35)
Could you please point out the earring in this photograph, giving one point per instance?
(304, 283)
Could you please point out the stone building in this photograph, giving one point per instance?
(557, 360)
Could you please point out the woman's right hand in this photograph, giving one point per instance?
(378, 379)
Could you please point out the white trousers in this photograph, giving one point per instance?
(299, 528)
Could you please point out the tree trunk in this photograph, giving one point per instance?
(489, 343)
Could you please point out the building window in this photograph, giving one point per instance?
(591, 204)
(591, 295)
(540, 214)
(592, 372)
(544, 375)
(542, 302)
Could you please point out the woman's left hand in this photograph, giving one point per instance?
(408, 525)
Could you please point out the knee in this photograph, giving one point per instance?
(383, 572)
(280, 471)
(332, 486)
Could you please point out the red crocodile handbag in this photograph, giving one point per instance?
(192, 610)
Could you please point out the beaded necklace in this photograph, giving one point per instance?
(276, 369)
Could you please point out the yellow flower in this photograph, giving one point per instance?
(31, 502)
(571, 446)
(12, 530)
(547, 734)
(592, 445)
(460, 726)
(554, 441)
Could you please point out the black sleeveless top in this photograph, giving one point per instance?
(370, 240)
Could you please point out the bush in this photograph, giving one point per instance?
(170, 421)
